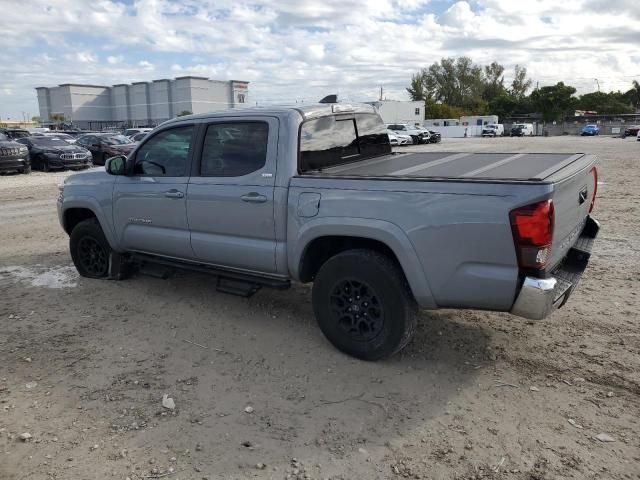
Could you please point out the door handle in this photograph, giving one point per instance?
(174, 194)
(253, 197)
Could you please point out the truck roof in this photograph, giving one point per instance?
(305, 111)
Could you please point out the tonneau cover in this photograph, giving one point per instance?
(492, 166)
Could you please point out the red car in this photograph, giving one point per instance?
(632, 131)
(105, 145)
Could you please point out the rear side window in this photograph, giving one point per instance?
(372, 136)
(234, 149)
(335, 140)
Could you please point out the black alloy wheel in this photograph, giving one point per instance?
(356, 308)
(90, 250)
(363, 304)
(93, 256)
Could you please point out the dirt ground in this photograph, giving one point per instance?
(84, 365)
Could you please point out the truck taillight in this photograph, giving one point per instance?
(532, 227)
(594, 172)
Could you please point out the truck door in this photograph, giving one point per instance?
(230, 200)
(149, 206)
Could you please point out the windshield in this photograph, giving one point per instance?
(115, 140)
(48, 141)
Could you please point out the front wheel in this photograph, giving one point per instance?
(26, 170)
(90, 250)
(363, 304)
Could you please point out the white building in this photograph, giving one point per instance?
(395, 111)
(139, 103)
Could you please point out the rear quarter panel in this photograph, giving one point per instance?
(454, 236)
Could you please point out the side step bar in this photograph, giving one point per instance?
(235, 283)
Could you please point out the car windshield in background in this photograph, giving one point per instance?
(116, 140)
(48, 141)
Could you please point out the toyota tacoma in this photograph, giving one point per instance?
(269, 196)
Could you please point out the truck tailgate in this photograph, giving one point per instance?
(574, 186)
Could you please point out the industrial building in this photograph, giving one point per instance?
(395, 111)
(139, 103)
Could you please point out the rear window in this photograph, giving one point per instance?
(336, 140)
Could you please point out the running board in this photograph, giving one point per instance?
(236, 283)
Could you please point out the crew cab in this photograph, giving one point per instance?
(269, 196)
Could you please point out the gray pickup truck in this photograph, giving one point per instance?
(267, 196)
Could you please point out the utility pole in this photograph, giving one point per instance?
(380, 92)
(598, 84)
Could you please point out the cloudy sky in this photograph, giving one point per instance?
(297, 50)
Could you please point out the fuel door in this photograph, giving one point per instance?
(308, 204)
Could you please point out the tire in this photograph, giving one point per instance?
(376, 287)
(90, 250)
(45, 165)
(26, 170)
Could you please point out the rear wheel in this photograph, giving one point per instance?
(45, 165)
(363, 305)
(90, 250)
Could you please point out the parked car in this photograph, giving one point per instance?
(638, 136)
(105, 145)
(15, 133)
(130, 132)
(434, 137)
(522, 129)
(418, 135)
(400, 138)
(393, 139)
(493, 130)
(138, 137)
(590, 130)
(64, 136)
(14, 157)
(53, 153)
(332, 205)
(632, 131)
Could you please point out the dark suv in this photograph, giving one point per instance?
(13, 156)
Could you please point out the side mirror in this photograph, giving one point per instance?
(116, 165)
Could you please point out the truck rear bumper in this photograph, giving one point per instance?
(539, 297)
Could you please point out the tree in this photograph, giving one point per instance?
(36, 119)
(633, 95)
(605, 103)
(520, 83)
(184, 112)
(554, 102)
(56, 118)
(503, 106)
(417, 89)
(493, 81)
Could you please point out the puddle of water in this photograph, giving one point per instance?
(41, 276)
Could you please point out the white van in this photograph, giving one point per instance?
(493, 130)
(522, 129)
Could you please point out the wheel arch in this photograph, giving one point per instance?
(76, 210)
(320, 239)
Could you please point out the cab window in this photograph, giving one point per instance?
(165, 154)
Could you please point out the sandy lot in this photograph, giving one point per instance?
(84, 365)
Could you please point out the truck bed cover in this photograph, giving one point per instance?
(534, 167)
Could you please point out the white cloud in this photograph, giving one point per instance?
(292, 49)
(86, 57)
